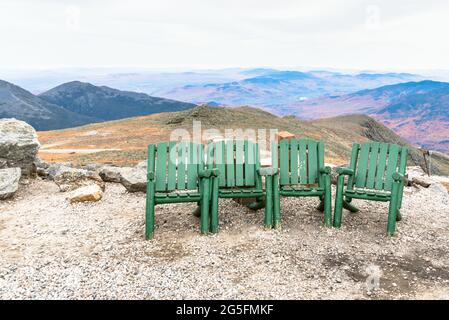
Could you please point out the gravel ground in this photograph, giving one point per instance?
(54, 250)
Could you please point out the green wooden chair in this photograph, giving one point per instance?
(176, 174)
(237, 175)
(376, 172)
(301, 174)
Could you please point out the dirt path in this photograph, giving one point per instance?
(51, 249)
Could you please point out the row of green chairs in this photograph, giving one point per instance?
(187, 172)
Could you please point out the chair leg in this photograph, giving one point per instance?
(276, 202)
(214, 206)
(338, 202)
(268, 220)
(348, 206)
(393, 209)
(197, 211)
(258, 204)
(327, 202)
(149, 212)
(320, 206)
(204, 220)
(398, 215)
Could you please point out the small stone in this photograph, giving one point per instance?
(87, 193)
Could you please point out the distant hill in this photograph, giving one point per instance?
(104, 103)
(18, 103)
(131, 136)
(417, 111)
(278, 89)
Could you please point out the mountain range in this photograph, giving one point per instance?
(104, 103)
(417, 111)
(76, 103)
(275, 88)
(18, 103)
(414, 108)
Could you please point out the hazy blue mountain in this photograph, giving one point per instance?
(107, 103)
(279, 89)
(417, 111)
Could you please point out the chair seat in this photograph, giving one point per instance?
(299, 190)
(240, 193)
(369, 194)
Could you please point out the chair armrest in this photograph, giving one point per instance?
(345, 171)
(268, 171)
(325, 170)
(150, 175)
(207, 173)
(398, 177)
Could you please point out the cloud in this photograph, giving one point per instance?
(204, 34)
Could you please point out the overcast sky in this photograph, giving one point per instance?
(348, 34)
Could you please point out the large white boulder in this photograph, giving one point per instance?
(18, 145)
(9, 182)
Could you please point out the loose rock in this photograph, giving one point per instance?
(134, 179)
(69, 179)
(111, 174)
(88, 193)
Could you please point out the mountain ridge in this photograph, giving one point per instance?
(417, 111)
(16, 102)
(107, 103)
(96, 103)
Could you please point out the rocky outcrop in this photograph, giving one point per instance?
(69, 179)
(9, 182)
(134, 179)
(88, 193)
(111, 174)
(18, 145)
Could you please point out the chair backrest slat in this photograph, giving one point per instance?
(239, 160)
(218, 159)
(312, 164)
(303, 161)
(294, 168)
(250, 163)
(230, 164)
(380, 174)
(182, 162)
(192, 166)
(161, 166)
(172, 163)
(403, 160)
(151, 158)
(392, 165)
(372, 166)
(284, 162)
(320, 161)
(362, 166)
